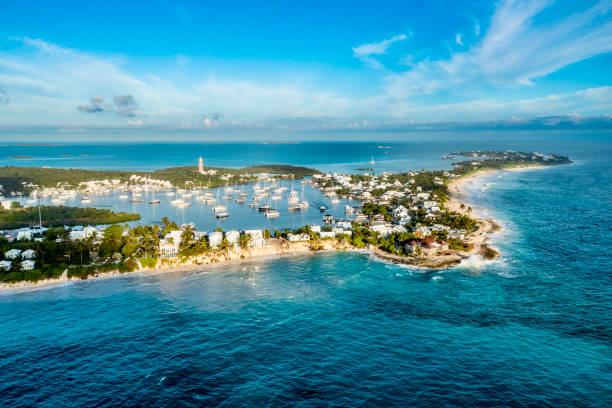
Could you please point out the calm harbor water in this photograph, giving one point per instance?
(533, 328)
(241, 215)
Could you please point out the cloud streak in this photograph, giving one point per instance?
(514, 50)
(364, 52)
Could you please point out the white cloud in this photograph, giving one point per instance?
(515, 50)
(365, 51)
(458, 39)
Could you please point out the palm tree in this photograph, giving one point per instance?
(244, 241)
(469, 210)
(462, 206)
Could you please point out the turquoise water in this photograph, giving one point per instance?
(531, 329)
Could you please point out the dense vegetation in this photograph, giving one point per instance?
(60, 215)
(15, 178)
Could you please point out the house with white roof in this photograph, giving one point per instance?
(6, 265)
(327, 234)
(256, 238)
(215, 238)
(232, 237)
(27, 265)
(12, 254)
(298, 237)
(167, 248)
(28, 254)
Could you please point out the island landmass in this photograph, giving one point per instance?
(418, 218)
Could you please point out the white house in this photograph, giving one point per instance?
(215, 238)
(382, 229)
(6, 265)
(232, 237)
(298, 237)
(6, 204)
(28, 254)
(341, 231)
(257, 238)
(175, 236)
(27, 265)
(82, 233)
(327, 234)
(12, 254)
(199, 235)
(315, 228)
(167, 248)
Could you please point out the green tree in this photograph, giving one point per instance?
(111, 243)
(244, 241)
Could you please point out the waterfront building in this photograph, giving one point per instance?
(327, 234)
(298, 237)
(27, 265)
(257, 238)
(6, 265)
(215, 238)
(167, 248)
(232, 237)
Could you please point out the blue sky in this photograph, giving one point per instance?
(302, 66)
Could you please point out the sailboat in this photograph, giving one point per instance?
(153, 200)
(372, 162)
(135, 198)
(219, 208)
(303, 204)
(293, 195)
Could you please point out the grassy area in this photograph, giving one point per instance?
(56, 216)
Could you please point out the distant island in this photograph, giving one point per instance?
(414, 217)
(26, 179)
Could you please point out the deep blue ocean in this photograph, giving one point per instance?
(531, 329)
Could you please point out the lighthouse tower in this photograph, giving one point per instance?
(201, 165)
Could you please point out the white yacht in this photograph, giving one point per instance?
(335, 201)
(272, 213)
(222, 214)
(219, 208)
